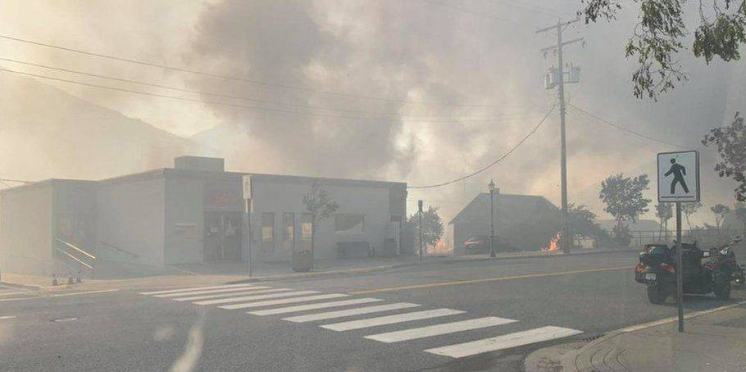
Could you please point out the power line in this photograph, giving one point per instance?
(160, 86)
(501, 158)
(234, 78)
(626, 130)
(257, 108)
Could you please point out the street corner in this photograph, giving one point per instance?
(552, 358)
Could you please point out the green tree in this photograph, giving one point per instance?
(584, 225)
(320, 206)
(720, 212)
(731, 145)
(720, 29)
(689, 209)
(432, 227)
(624, 201)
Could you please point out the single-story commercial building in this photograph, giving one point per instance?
(521, 222)
(192, 213)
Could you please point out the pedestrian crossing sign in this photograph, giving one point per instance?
(678, 176)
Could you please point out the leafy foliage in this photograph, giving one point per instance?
(731, 146)
(624, 200)
(658, 37)
(720, 211)
(584, 224)
(432, 226)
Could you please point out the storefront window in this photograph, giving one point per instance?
(288, 232)
(349, 223)
(268, 232)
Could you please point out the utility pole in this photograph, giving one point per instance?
(419, 207)
(556, 77)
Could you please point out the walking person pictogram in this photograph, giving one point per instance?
(679, 171)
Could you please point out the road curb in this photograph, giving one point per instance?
(367, 270)
(22, 286)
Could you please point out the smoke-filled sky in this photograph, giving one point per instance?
(425, 90)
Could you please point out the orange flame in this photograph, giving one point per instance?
(553, 244)
(440, 248)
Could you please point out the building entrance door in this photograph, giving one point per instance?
(222, 236)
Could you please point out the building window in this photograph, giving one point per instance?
(349, 223)
(306, 231)
(268, 232)
(288, 231)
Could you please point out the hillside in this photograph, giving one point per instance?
(47, 133)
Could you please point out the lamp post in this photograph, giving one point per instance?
(491, 186)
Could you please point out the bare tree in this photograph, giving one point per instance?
(321, 206)
(664, 212)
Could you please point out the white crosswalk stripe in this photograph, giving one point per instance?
(323, 305)
(252, 298)
(197, 289)
(279, 301)
(350, 312)
(440, 329)
(209, 291)
(504, 342)
(219, 295)
(283, 301)
(391, 319)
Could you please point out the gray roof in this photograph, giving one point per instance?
(507, 203)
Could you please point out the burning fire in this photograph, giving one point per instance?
(553, 244)
(440, 248)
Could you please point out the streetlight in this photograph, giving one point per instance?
(491, 186)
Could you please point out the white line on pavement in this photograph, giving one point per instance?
(219, 295)
(7, 317)
(209, 291)
(252, 298)
(198, 288)
(350, 312)
(440, 329)
(323, 305)
(283, 301)
(391, 319)
(59, 295)
(503, 342)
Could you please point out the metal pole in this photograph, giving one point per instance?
(492, 224)
(420, 215)
(247, 226)
(563, 155)
(419, 207)
(679, 270)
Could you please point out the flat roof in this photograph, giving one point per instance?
(166, 172)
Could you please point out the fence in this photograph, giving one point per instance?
(704, 237)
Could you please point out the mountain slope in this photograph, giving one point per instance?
(48, 133)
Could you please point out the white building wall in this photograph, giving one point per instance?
(26, 229)
(276, 195)
(130, 216)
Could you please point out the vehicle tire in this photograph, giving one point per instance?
(722, 290)
(656, 294)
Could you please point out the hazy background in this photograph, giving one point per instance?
(450, 86)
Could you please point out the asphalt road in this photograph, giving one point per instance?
(128, 331)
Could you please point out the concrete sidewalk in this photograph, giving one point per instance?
(714, 340)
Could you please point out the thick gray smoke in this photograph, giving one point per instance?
(419, 51)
